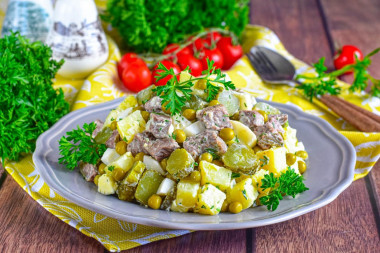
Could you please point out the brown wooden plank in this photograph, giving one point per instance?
(298, 25)
(345, 225)
(28, 227)
(202, 241)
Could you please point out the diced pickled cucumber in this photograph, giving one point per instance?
(128, 102)
(130, 126)
(144, 95)
(148, 185)
(240, 158)
(196, 103)
(229, 101)
(103, 135)
(266, 108)
(111, 117)
(180, 163)
(169, 199)
(126, 192)
(134, 174)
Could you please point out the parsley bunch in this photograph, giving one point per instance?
(148, 26)
(175, 93)
(326, 82)
(289, 183)
(29, 104)
(80, 146)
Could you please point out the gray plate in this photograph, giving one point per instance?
(330, 171)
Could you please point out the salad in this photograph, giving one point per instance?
(222, 152)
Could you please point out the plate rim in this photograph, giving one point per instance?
(334, 191)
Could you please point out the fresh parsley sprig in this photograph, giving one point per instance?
(175, 93)
(325, 83)
(80, 146)
(29, 104)
(288, 183)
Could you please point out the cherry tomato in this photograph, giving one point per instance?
(194, 64)
(168, 65)
(126, 60)
(173, 47)
(213, 37)
(197, 45)
(231, 53)
(213, 55)
(136, 76)
(347, 55)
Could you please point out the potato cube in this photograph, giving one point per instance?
(131, 125)
(273, 160)
(187, 192)
(148, 185)
(243, 192)
(214, 174)
(125, 162)
(176, 208)
(244, 134)
(210, 200)
(111, 117)
(106, 184)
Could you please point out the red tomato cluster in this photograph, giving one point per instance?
(136, 75)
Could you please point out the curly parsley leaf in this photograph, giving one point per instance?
(29, 104)
(80, 146)
(175, 93)
(289, 183)
(325, 83)
(148, 26)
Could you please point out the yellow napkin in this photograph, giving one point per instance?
(103, 85)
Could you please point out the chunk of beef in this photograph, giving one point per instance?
(153, 105)
(281, 118)
(115, 137)
(99, 126)
(214, 117)
(139, 142)
(88, 171)
(198, 144)
(159, 125)
(276, 125)
(161, 148)
(251, 119)
(268, 136)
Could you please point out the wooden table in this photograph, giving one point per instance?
(309, 29)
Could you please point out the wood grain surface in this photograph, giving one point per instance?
(309, 29)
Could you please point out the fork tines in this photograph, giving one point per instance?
(260, 62)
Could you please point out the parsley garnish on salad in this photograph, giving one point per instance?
(175, 93)
(80, 146)
(289, 183)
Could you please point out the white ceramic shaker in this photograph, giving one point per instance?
(77, 37)
(32, 18)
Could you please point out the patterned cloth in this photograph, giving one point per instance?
(103, 85)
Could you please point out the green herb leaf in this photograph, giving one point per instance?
(29, 104)
(80, 146)
(288, 183)
(235, 175)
